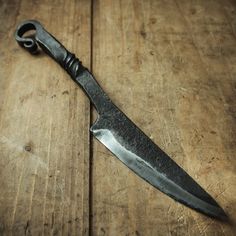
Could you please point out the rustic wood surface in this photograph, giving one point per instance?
(169, 65)
(44, 140)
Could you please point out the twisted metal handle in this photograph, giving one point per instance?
(49, 45)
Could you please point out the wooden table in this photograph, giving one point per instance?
(169, 65)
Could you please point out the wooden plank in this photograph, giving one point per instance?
(44, 119)
(170, 66)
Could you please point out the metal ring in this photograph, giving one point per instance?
(29, 43)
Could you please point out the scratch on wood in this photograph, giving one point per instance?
(47, 177)
(17, 195)
(122, 189)
(32, 191)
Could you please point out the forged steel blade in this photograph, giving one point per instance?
(137, 151)
(119, 134)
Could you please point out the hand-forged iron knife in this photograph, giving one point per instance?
(118, 133)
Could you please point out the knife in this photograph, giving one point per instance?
(118, 133)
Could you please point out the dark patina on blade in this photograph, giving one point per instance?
(137, 151)
(145, 158)
(118, 133)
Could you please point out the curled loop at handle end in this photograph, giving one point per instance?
(30, 42)
(40, 38)
(49, 45)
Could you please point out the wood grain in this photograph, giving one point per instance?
(170, 66)
(44, 121)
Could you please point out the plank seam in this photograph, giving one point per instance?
(90, 226)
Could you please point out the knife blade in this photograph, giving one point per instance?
(118, 133)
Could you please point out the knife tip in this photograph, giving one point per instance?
(223, 216)
(219, 214)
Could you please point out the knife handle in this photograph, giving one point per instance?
(49, 45)
(67, 60)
